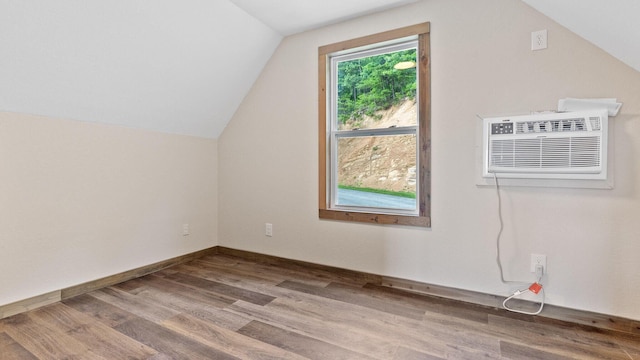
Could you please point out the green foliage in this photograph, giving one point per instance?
(369, 84)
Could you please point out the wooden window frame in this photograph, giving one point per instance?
(423, 218)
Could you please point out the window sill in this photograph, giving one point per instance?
(373, 218)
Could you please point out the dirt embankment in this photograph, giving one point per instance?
(385, 162)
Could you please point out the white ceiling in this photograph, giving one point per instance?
(165, 65)
(293, 16)
(612, 25)
(184, 66)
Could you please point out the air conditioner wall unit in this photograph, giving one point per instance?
(569, 145)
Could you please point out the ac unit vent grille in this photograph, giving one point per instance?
(585, 152)
(547, 146)
(546, 153)
(595, 123)
(552, 126)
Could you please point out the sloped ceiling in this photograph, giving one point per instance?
(173, 66)
(293, 16)
(612, 25)
(184, 66)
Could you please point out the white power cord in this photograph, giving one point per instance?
(535, 287)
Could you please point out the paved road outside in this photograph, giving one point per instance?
(363, 198)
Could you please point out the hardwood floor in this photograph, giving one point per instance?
(228, 307)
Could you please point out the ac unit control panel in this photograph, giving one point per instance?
(502, 128)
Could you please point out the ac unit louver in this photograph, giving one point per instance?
(571, 145)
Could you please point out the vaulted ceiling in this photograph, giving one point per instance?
(173, 66)
(611, 25)
(184, 66)
(292, 16)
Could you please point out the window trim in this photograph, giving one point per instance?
(423, 218)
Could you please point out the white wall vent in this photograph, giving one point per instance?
(570, 145)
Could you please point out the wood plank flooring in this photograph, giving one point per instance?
(227, 307)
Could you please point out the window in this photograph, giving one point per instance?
(374, 128)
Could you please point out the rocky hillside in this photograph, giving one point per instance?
(388, 162)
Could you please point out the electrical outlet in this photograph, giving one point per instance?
(538, 260)
(268, 229)
(185, 229)
(539, 40)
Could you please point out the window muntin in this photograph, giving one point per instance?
(334, 133)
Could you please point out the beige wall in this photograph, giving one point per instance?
(481, 64)
(80, 201)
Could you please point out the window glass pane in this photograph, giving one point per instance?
(377, 171)
(374, 114)
(377, 91)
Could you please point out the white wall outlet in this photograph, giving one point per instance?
(538, 259)
(185, 229)
(539, 40)
(268, 229)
